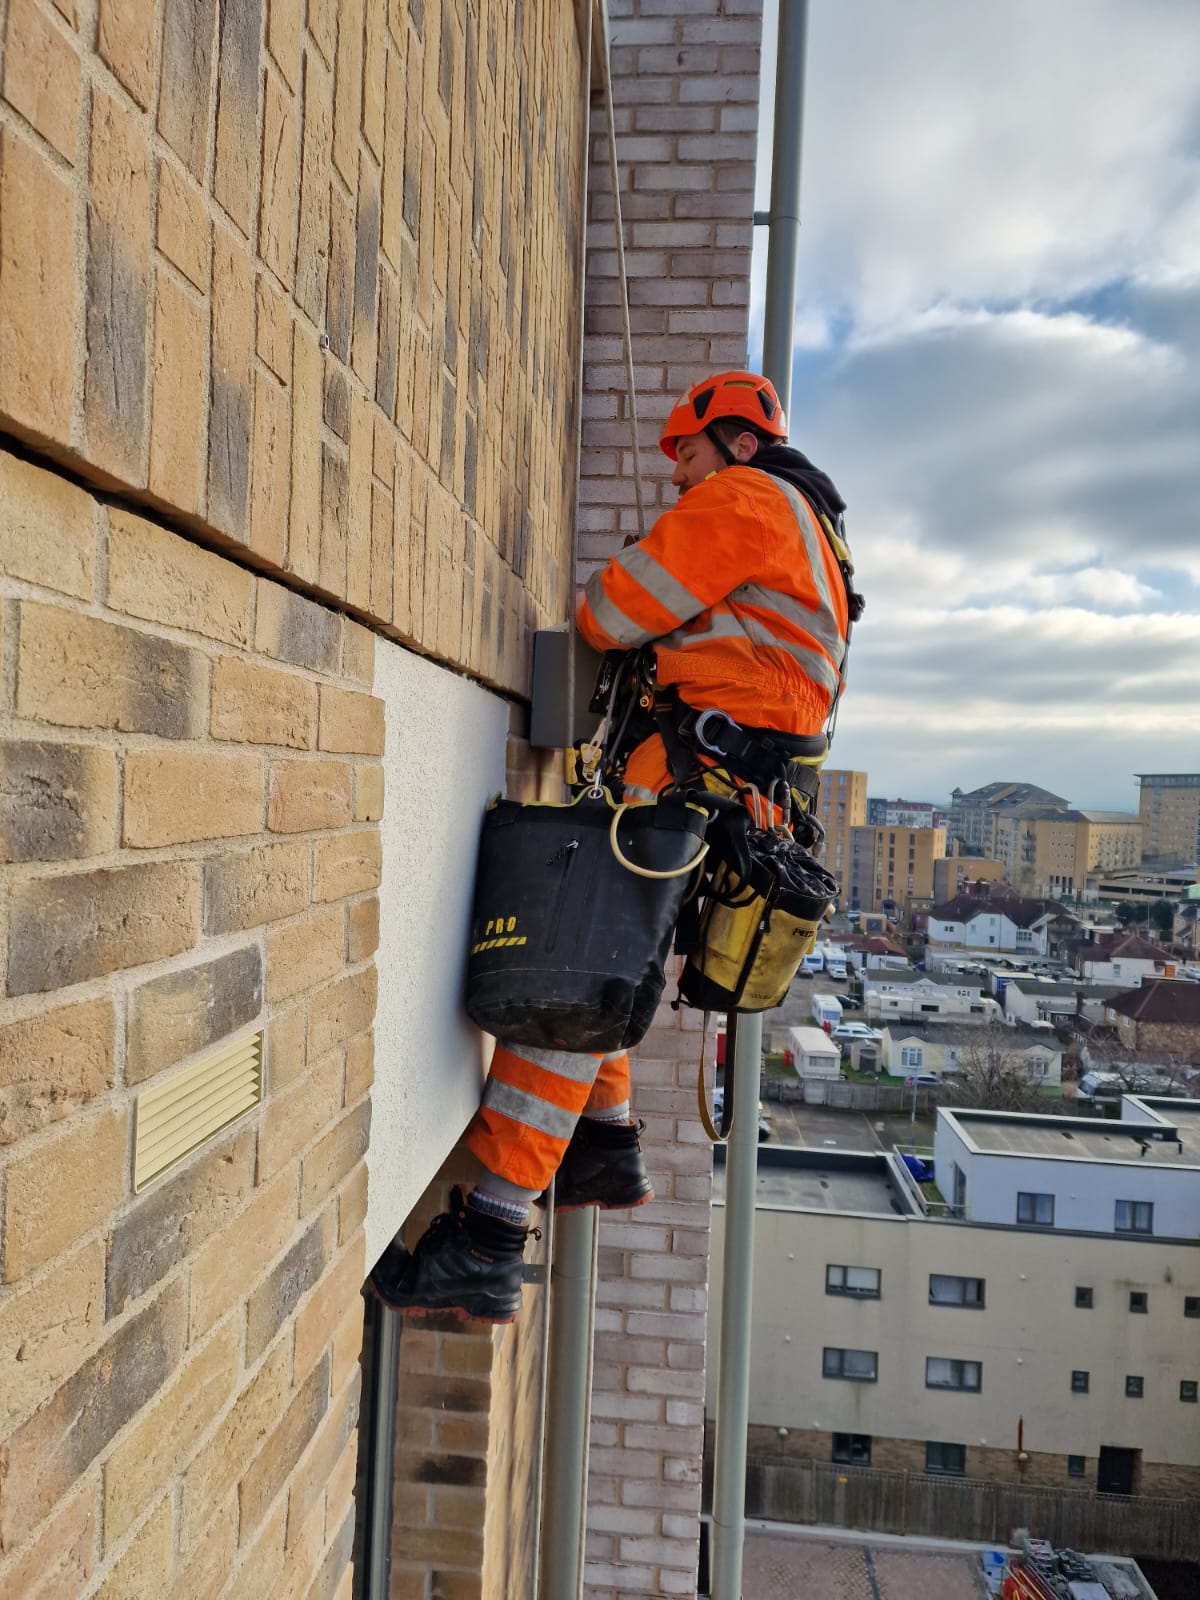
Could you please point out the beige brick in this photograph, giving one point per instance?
(239, 84)
(347, 864)
(352, 1205)
(125, 41)
(174, 1217)
(183, 228)
(164, 1436)
(347, 1345)
(118, 289)
(339, 1488)
(178, 796)
(381, 554)
(304, 795)
(259, 1572)
(333, 1157)
(38, 293)
(322, 24)
(222, 1460)
(304, 517)
(322, 1316)
(258, 705)
(304, 953)
(230, 1261)
(360, 1067)
(272, 1302)
(277, 210)
(41, 76)
(340, 1010)
(295, 1117)
(292, 628)
(80, 672)
(270, 484)
(286, 1046)
(53, 1063)
(155, 574)
(312, 251)
(274, 321)
(47, 527)
(374, 68)
(58, 802)
(368, 793)
(231, 385)
(47, 1454)
(62, 1559)
(358, 653)
(48, 1329)
(255, 886)
(362, 441)
(348, 90)
(274, 1463)
(185, 80)
(81, 925)
(177, 417)
(285, 20)
(61, 1190)
(362, 929)
(323, 1455)
(146, 1566)
(205, 1576)
(172, 1016)
(350, 722)
(305, 1540)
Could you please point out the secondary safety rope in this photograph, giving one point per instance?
(623, 282)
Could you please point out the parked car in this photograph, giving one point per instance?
(924, 1079)
(847, 1032)
(764, 1127)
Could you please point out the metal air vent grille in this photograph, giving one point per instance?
(175, 1117)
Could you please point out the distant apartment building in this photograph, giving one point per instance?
(955, 875)
(841, 805)
(1042, 1328)
(1169, 807)
(972, 812)
(1047, 850)
(906, 814)
(892, 866)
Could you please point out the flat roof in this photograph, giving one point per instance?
(791, 1179)
(1089, 1139)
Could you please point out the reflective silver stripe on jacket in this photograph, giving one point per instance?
(814, 545)
(725, 625)
(579, 1066)
(658, 584)
(529, 1110)
(821, 623)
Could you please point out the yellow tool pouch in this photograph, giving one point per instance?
(756, 917)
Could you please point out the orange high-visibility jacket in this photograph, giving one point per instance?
(739, 587)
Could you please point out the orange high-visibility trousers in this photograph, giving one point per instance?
(531, 1103)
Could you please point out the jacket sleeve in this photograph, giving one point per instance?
(694, 555)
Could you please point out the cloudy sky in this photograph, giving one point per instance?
(998, 361)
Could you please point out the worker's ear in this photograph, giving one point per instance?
(745, 447)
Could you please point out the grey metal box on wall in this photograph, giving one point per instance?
(564, 674)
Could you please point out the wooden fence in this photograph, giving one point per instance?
(882, 1501)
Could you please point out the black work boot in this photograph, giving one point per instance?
(602, 1167)
(465, 1262)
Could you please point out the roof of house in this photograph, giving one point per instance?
(1160, 1000)
(1023, 913)
(872, 944)
(944, 980)
(1123, 947)
(1007, 1036)
(1089, 991)
(1008, 793)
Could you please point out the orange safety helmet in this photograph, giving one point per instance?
(741, 396)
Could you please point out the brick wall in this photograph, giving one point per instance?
(305, 277)
(187, 813)
(685, 90)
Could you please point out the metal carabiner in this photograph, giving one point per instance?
(701, 721)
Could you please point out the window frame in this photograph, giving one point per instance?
(1078, 1387)
(1088, 1304)
(1135, 1386)
(960, 1364)
(1033, 1195)
(844, 1288)
(1139, 1302)
(1189, 1391)
(940, 1469)
(1134, 1210)
(841, 1352)
(963, 1302)
(1076, 1471)
(1191, 1305)
(847, 1457)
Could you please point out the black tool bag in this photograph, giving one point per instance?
(574, 910)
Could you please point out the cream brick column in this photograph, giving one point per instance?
(685, 90)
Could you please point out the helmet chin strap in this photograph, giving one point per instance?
(721, 447)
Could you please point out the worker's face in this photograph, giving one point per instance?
(697, 458)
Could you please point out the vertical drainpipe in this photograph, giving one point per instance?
(573, 1275)
(741, 1169)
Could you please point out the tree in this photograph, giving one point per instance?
(1162, 915)
(993, 1075)
(1127, 913)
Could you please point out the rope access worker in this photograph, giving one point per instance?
(742, 589)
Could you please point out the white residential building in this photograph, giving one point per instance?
(950, 1047)
(915, 995)
(1039, 1000)
(988, 928)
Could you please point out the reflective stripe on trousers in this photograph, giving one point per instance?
(531, 1103)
